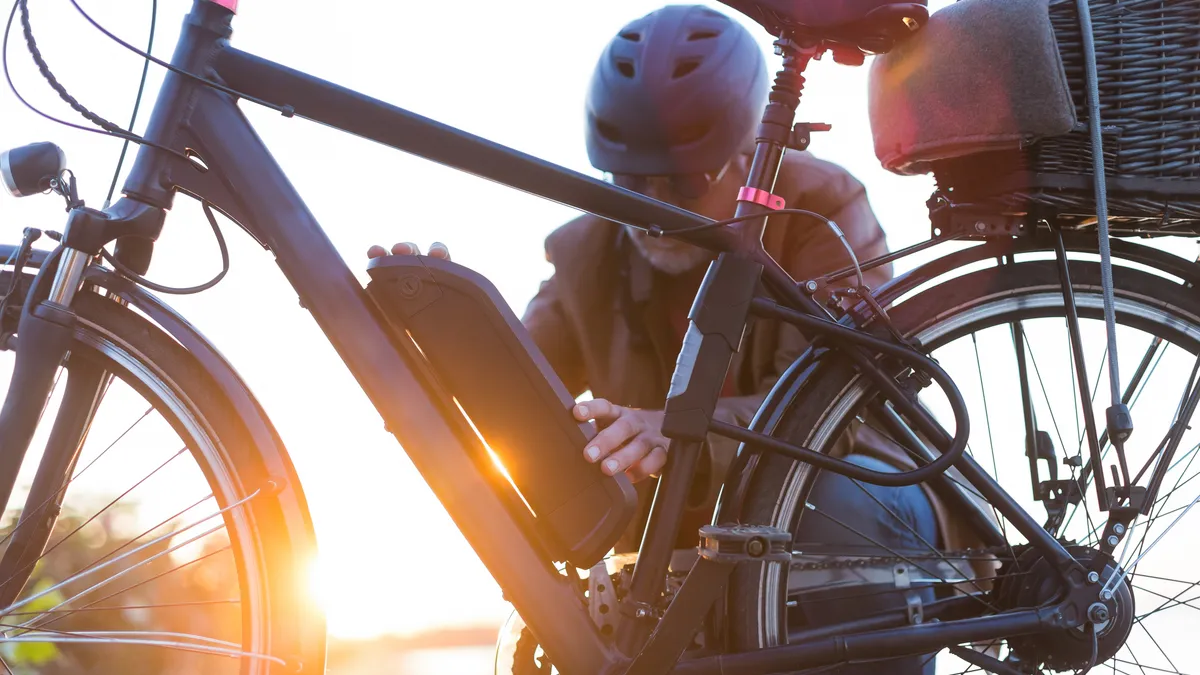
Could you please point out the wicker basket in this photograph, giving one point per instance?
(1148, 58)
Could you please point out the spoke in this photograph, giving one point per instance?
(151, 529)
(153, 542)
(1133, 565)
(1074, 391)
(113, 608)
(1054, 420)
(983, 391)
(970, 490)
(93, 517)
(1042, 386)
(1160, 500)
(991, 441)
(911, 453)
(1131, 663)
(927, 660)
(1160, 649)
(1186, 455)
(109, 633)
(1135, 658)
(910, 561)
(181, 646)
(79, 473)
(91, 604)
(1170, 602)
(1092, 393)
(1133, 399)
(971, 647)
(1184, 411)
(1179, 482)
(155, 527)
(1174, 581)
(916, 534)
(118, 575)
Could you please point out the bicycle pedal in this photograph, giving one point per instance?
(745, 543)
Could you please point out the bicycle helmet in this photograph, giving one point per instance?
(678, 91)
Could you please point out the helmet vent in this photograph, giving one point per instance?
(690, 133)
(625, 68)
(684, 68)
(608, 131)
(702, 35)
(632, 36)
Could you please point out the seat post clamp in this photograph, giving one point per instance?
(761, 197)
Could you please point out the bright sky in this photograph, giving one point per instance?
(514, 72)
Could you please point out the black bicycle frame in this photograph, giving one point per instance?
(238, 176)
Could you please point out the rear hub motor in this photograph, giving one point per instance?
(1031, 581)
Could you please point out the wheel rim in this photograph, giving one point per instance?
(162, 571)
(956, 329)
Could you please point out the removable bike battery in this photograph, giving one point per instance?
(483, 357)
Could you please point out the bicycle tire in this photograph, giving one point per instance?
(271, 534)
(755, 617)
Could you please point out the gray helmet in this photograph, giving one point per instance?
(678, 91)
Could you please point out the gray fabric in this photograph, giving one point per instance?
(982, 75)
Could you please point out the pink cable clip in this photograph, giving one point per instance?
(230, 5)
(762, 197)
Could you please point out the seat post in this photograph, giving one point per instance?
(775, 135)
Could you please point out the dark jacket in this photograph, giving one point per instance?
(603, 320)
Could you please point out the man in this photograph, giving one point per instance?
(672, 111)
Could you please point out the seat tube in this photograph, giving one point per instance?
(717, 323)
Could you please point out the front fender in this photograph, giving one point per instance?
(247, 408)
(249, 411)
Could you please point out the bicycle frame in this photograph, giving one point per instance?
(238, 176)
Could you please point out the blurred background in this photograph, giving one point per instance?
(514, 72)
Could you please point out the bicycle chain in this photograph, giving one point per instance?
(893, 559)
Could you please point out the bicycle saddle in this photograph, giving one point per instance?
(873, 26)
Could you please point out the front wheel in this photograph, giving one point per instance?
(1001, 334)
(180, 546)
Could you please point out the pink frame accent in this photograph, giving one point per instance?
(756, 196)
(230, 5)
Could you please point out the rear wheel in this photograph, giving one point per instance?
(180, 546)
(981, 327)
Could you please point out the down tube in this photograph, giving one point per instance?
(545, 599)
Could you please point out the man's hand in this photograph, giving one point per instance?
(630, 440)
(436, 250)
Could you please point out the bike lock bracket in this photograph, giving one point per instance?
(717, 325)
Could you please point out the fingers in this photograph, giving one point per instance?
(632, 453)
(610, 439)
(648, 466)
(598, 409)
(436, 250)
(439, 250)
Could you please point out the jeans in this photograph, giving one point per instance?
(846, 500)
